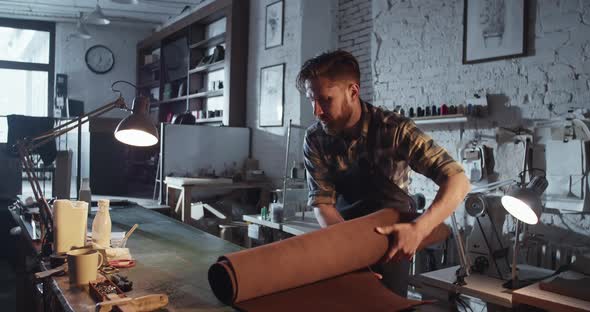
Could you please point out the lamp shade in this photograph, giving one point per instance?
(137, 129)
(525, 203)
(97, 17)
(81, 31)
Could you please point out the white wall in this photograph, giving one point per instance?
(93, 89)
(299, 43)
(83, 84)
(355, 25)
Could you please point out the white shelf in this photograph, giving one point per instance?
(207, 120)
(440, 119)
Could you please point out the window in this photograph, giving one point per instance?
(26, 69)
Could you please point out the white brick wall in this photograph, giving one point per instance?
(416, 58)
(354, 36)
(268, 143)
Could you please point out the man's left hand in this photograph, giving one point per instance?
(407, 238)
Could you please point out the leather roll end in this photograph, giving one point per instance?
(222, 282)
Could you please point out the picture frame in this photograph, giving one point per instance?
(494, 30)
(273, 25)
(272, 96)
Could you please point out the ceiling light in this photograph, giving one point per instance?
(81, 31)
(97, 17)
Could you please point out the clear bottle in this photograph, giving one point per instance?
(85, 194)
(101, 225)
(276, 208)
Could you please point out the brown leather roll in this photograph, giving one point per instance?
(319, 257)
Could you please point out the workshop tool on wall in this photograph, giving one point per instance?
(473, 161)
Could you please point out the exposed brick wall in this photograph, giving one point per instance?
(354, 36)
(416, 49)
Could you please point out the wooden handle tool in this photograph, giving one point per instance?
(139, 304)
(51, 272)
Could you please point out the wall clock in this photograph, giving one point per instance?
(100, 59)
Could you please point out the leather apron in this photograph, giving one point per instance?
(363, 188)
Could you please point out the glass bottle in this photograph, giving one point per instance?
(101, 225)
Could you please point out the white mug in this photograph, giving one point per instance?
(83, 265)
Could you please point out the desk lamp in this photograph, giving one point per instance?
(136, 130)
(524, 204)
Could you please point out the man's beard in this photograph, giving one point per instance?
(336, 127)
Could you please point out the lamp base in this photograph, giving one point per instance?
(517, 284)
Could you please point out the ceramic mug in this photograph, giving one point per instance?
(83, 265)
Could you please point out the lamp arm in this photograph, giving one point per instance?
(464, 269)
(59, 130)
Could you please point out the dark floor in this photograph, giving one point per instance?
(7, 274)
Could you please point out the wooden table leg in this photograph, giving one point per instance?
(179, 213)
(186, 204)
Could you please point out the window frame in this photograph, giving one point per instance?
(49, 68)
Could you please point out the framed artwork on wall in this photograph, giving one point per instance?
(270, 110)
(273, 25)
(493, 30)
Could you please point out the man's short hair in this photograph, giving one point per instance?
(335, 65)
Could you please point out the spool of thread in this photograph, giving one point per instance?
(452, 110)
(434, 110)
(444, 109)
(427, 111)
(411, 112)
(461, 109)
(420, 112)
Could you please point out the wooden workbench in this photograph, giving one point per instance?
(172, 258)
(533, 295)
(294, 226)
(490, 290)
(182, 207)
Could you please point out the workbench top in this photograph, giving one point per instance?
(172, 258)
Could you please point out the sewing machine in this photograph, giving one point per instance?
(486, 246)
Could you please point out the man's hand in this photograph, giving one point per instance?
(407, 237)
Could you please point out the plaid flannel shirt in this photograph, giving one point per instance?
(397, 146)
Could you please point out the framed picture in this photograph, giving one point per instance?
(270, 110)
(273, 25)
(493, 30)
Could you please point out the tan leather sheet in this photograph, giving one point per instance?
(323, 270)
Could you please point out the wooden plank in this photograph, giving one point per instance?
(534, 296)
(486, 288)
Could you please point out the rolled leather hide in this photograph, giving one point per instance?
(325, 270)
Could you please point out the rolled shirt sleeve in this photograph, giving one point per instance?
(424, 155)
(321, 189)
